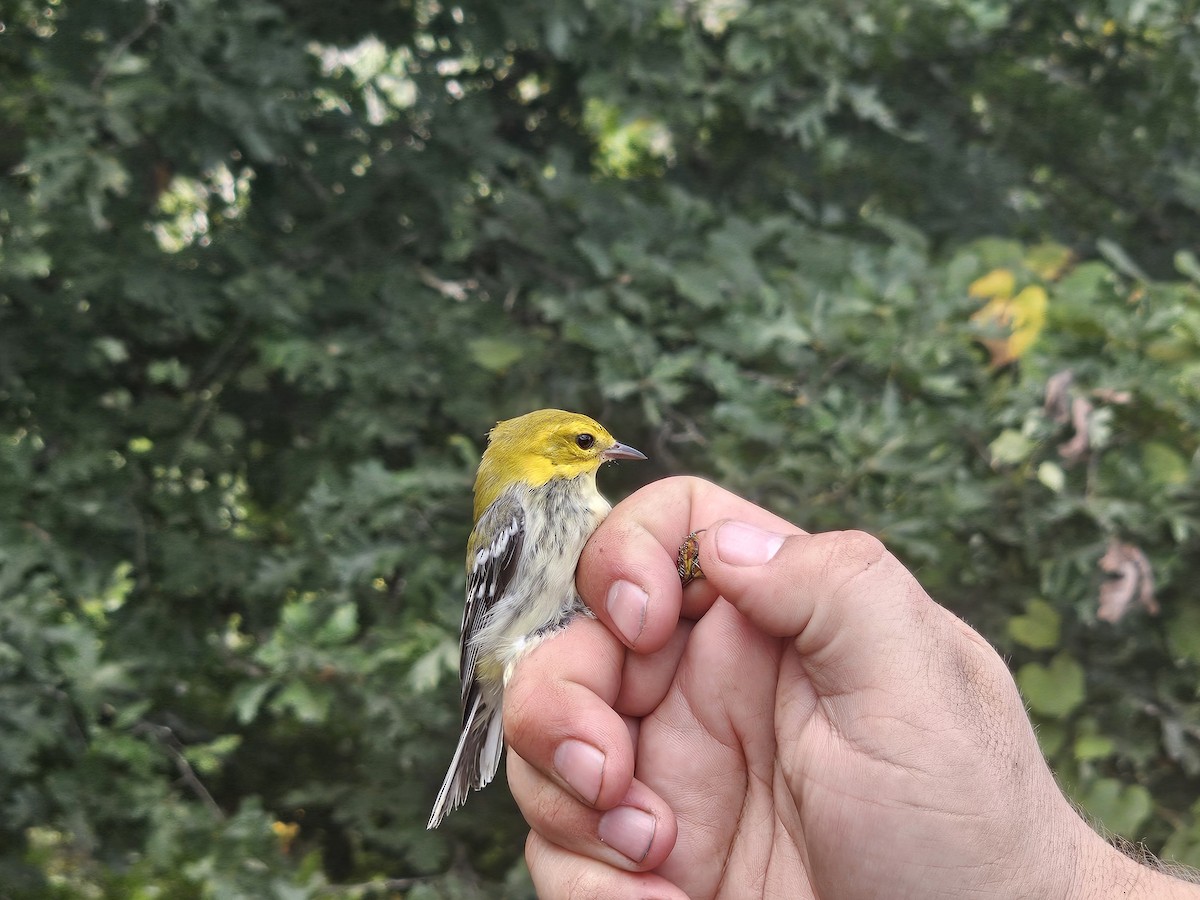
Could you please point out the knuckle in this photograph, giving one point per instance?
(851, 557)
(855, 551)
(686, 483)
(585, 883)
(547, 808)
(550, 806)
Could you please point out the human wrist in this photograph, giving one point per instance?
(1129, 873)
(1065, 859)
(1151, 878)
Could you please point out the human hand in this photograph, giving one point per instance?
(806, 722)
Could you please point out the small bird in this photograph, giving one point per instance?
(536, 504)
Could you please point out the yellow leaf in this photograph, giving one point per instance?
(1048, 261)
(1028, 318)
(286, 833)
(1023, 317)
(997, 283)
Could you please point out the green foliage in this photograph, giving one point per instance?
(1055, 690)
(269, 271)
(1039, 628)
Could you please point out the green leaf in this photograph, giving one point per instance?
(599, 258)
(429, 668)
(248, 699)
(1038, 628)
(700, 284)
(168, 371)
(1048, 260)
(1051, 474)
(1183, 846)
(746, 53)
(1055, 690)
(308, 703)
(1010, 447)
(207, 758)
(31, 263)
(1120, 259)
(339, 627)
(1093, 746)
(1187, 265)
(1164, 465)
(1121, 808)
(495, 354)
(112, 349)
(1183, 635)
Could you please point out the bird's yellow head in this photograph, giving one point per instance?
(534, 448)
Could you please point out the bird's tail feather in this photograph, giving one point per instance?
(476, 758)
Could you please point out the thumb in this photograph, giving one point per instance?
(855, 613)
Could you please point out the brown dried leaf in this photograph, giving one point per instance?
(1127, 577)
(1058, 397)
(1077, 447)
(1062, 408)
(1113, 396)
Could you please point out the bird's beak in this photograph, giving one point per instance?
(620, 451)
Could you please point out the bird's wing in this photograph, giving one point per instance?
(490, 568)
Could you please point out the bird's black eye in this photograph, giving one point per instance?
(584, 441)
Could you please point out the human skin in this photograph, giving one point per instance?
(804, 722)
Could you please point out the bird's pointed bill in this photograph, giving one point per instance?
(622, 451)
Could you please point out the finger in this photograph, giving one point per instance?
(710, 749)
(559, 874)
(637, 834)
(559, 717)
(856, 614)
(628, 574)
(647, 676)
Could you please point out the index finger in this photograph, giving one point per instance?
(628, 572)
(565, 690)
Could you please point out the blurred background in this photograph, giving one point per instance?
(270, 270)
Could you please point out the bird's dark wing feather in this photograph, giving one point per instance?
(490, 568)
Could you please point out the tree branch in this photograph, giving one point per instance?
(170, 743)
(123, 46)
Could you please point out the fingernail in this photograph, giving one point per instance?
(582, 767)
(626, 605)
(628, 830)
(740, 544)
